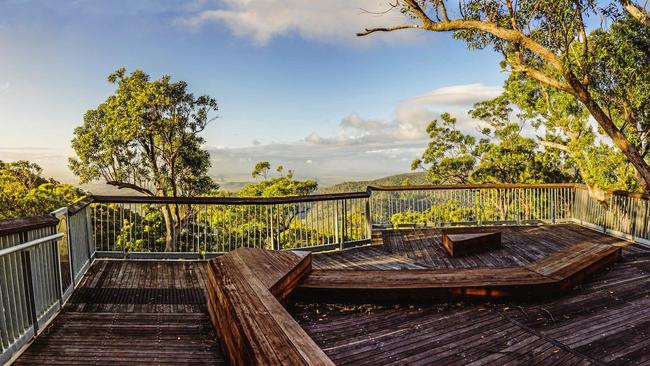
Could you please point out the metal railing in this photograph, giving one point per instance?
(446, 205)
(196, 227)
(199, 227)
(621, 214)
(41, 260)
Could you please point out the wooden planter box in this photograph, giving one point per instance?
(462, 243)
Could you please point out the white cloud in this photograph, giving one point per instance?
(4, 88)
(410, 117)
(262, 20)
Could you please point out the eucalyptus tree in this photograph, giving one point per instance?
(25, 192)
(145, 138)
(545, 41)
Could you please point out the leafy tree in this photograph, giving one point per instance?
(281, 224)
(544, 41)
(261, 169)
(450, 153)
(145, 138)
(25, 192)
(503, 155)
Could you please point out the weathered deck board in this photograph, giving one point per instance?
(132, 312)
(606, 320)
(521, 245)
(254, 327)
(550, 275)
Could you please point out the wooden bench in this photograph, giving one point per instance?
(244, 291)
(462, 243)
(571, 266)
(553, 274)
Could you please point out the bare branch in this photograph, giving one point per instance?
(542, 77)
(638, 13)
(388, 29)
(121, 185)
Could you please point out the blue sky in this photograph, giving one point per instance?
(294, 85)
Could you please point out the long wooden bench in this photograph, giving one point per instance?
(245, 288)
(553, 274)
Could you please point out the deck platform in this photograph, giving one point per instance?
(132, 312)
(155, 312)
(604, 321)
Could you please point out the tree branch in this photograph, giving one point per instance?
(542, 78)
(510, 35)
(553, 145)
(121, 185)
(638, 13)
(388, 29)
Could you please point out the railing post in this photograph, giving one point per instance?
(90, 233)
(273, 241)
(344, 223)
(368, 218)
(480, 207)
(29, 288)
(336, 224)
(553, 197)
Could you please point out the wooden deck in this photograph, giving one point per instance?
(155, 312)
(422, 248)
(132, 312)
(245, 288)
(606, 320)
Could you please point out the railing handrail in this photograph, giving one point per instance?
(228, 200)
(431, 187)
(21, 224)
(29, 244)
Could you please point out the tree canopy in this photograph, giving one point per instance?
(503, 155)
(25, 192)
(145, 138)
(550, 43)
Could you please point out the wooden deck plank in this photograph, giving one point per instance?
(132, 312)
(603, 321)
(254, 327)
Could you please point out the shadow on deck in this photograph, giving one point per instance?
(132, 312)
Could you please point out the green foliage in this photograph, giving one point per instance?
(25, 192)
(503, 155)
(437, 215)
(282, 225)
(601, 72)
(145, 137)
(450, 151)
(261, 169)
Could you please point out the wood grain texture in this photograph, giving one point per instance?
(254, 327)
(549, 275)
(603, 321)
(458, 244)
(132, 313)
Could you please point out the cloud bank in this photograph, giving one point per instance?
(363, 148)
(261, 20)
(410, 118)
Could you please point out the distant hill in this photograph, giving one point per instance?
(360, 186)
(232, 186)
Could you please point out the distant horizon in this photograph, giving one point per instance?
(321, 101)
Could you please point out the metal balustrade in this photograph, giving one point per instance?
(445, 205)
(42, 259)
(140, 226)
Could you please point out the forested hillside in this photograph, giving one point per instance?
(392, 180)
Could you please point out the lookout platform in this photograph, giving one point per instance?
(139, 312)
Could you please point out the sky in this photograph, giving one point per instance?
(295, 86)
